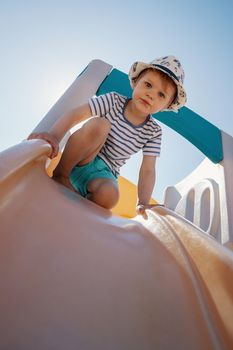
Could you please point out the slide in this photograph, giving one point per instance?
(76, 276)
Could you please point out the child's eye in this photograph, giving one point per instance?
(161, 94)
(148, 84)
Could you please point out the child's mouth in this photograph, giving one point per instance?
(145, 103)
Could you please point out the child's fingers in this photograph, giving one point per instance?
(33, 136)
(140, 209)
(48, 138)
(55, 146)
(55, 150)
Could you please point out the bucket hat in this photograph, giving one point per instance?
(171, 66)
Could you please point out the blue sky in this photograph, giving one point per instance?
(46, 44)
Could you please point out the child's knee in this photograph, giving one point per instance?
(98, 127)
(109, 193)
(106, 195)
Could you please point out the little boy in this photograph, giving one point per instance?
(120, 127)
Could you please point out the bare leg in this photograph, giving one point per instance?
(103, 192)
(81, 148)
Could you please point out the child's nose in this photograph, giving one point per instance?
(150, 95)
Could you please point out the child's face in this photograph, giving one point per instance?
(153, 93)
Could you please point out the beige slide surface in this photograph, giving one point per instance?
(75, 276)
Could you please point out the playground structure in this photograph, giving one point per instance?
(206, 196)
(76, 276)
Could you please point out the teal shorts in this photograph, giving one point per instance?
(80, 176)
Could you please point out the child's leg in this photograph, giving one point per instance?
(82, 147)
(103, 192)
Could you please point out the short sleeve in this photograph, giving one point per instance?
(153, 145)
(102, 104)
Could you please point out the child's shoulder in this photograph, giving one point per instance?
(117, 96)
(153, 125)
(114, 98)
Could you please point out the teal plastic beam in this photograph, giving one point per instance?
(197, 130)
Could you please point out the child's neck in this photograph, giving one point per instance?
(133, 115)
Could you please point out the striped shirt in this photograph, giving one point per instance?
(124, 138)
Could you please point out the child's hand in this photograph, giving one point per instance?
(50, 139)
(141, 208)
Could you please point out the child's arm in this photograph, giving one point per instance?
(146, 182)
(61, 126)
